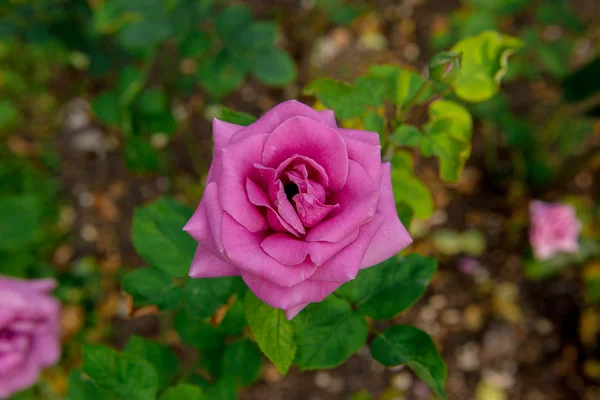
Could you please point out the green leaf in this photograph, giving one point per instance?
(183, 391)
(220, 74)
(484, 62)
(405, 344)
(121, 374)
(387, 289)
(160, 122)
(204, 296)
(232, 21)
(448, 137)
(147, 26)
(273, 67)
(130, 83)
(407, 135)
(272, 331)
(106, 108)
(81, 387)
(196, 45)
(241, 353)
(152, 101)
(158, 237)
(371, 90)
(19, 220)
(161, 357)
(236, 117)
(224, 389)
(140, 155)
(405, 213)
(401, 84)
(375, 123)
(197, 332)
(234, 322)
(408, 189)
(9, 114)
(149, 286)
(259, 36)
(337, 95)
(328, 333)
(408, 83)
(582, 83)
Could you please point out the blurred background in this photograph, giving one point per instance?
(106, 104)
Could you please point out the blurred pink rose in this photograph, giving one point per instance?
(296, 206)
(29, 332)
(554, 229)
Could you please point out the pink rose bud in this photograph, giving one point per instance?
(554, 229)
(29, 332)
(296, 206)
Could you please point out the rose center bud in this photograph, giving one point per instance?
(291, 189)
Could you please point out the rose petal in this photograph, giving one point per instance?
(344, 266)
(358, 202)
(291, 312)
(291, 251)
(288, 297)
(392, 237)
(43, 286)
(328, 116)
(310, 210)
(243, 248)
(279, 114)
(222, 134)
(46, 348)
(205, 224)
(20, 379)
(367, 154)
(259, 198)
(238, 161)
(365, 136)
(315, 140)
(207, 265)
(284, 207)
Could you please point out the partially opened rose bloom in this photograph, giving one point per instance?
(29, 332)
(554, 229)
(296, 206)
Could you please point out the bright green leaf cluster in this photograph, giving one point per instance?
(484, 63)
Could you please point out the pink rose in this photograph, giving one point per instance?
(554, 229)
(296, 206)
(29, 332)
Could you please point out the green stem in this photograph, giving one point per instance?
(374, 331)
(403, 110)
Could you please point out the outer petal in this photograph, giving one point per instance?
(291, 251)
(328, 116)
(208, 265)
(47, 349)
(19, 380)
(344, 266)
(365, 153)
(366, 136)
(306, 137)
(357, 200)
(291, 312)
(36, 285)
(279, 114)
(245, 252)
(238, 161)
(392, 236)
(222, 134)
(288, 297)
(205, 224)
